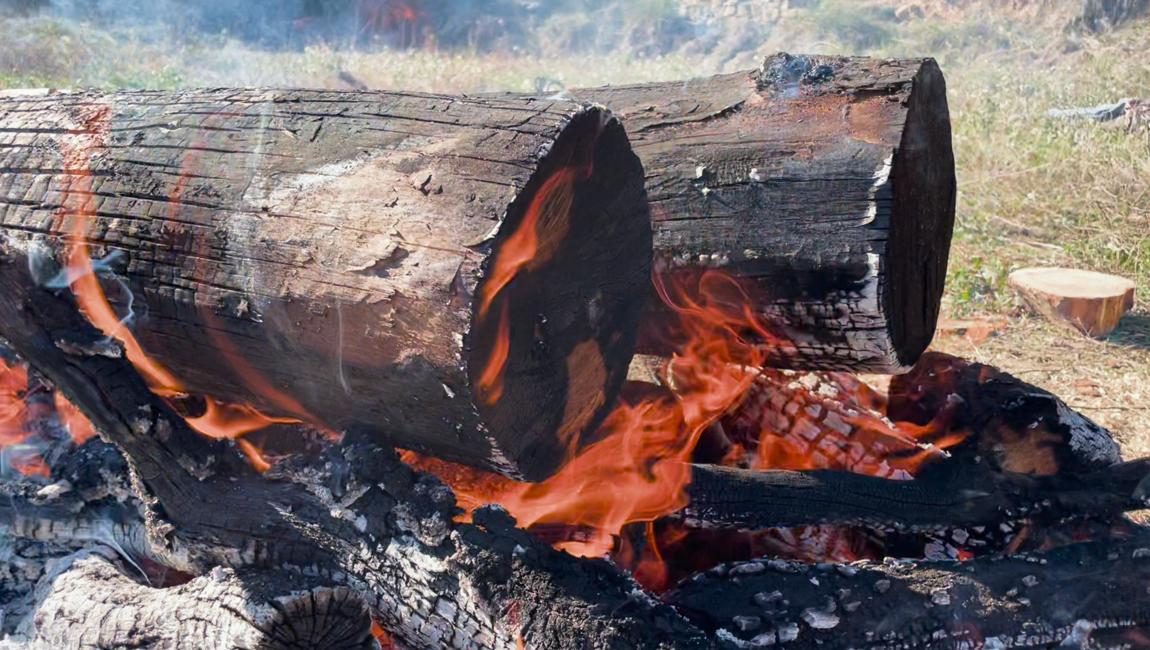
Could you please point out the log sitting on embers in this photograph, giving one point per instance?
(826, 183)
(460, 276)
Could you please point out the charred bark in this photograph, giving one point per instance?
(354, 260)
(826, 183)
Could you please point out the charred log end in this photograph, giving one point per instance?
(922, 216)
(568, 320)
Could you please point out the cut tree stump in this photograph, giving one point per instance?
(462, 276)
(825, 183)
(1090, 302)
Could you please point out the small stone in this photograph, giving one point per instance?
(882, 586)
(819, 619)
(940, 597)
(846, 570)
(788, 632)
(747, 623)
(852, 606)
(1140, 553)
(1030, 581)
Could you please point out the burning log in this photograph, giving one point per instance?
(358, 518)
(460, 276)
(827, 183)
(355, 517)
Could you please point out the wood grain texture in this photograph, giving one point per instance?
(826, 183)
(321, 255)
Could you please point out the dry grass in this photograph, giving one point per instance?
(1032, 190)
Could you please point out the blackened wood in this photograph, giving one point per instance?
(1014, 426)
(323, 255)
(827, 183)
(972, 496)
(1082, 596)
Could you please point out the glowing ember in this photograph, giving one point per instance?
(22, 412)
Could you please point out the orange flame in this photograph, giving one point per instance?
(638, 467)
(490, 381)
(16, 416)
(222, 419)
(535, 239)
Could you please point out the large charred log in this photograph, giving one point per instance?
(455, 275)
(826, 183)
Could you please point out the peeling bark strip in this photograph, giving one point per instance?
(827, 182)
(335, 257)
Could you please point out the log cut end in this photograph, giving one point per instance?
(922, 209)
(557, 310)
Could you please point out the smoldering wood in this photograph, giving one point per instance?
(322, 255)
(1042, 596)
(1085, 595)
(826, 183)
(510, 571)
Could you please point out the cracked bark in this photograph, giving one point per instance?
(88, 601)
